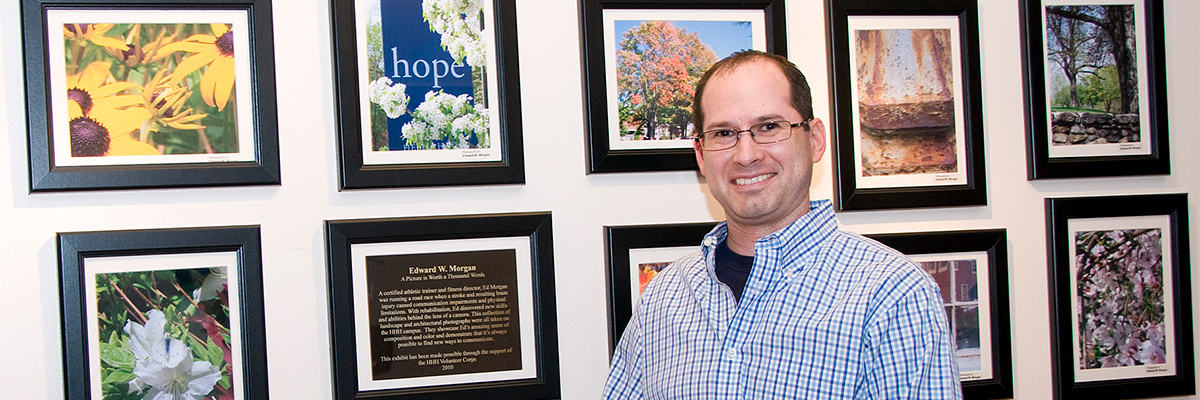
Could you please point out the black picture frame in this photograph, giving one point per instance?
(75, 249)
(536, 226)
(47, 175)
(1162, 211)
(601, 157)
(619, 241)
(1041, 163)
(995, 243)
(354, 174)
(848, 193)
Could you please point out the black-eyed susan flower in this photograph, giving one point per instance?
(166, 102)
(105, 131)
(140, 49)
(215, 51)
(94, 33)
(94, 87)
(133, 54)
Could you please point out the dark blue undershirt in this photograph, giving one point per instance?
(732, 269)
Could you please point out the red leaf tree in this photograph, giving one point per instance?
(658, 65)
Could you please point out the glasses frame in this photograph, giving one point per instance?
(791, 125)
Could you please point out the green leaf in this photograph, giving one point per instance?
(116, 356)
(198, 348)
(216, 355)
(116, 391)
(118, 377)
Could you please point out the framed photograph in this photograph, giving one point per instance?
(1095, 88)
(642, 62)
(971, 270)
(149, 94)
(428, 93)
(149, 313)
(907, 126)
(635, 255)
(1120, 296)
(443, 307)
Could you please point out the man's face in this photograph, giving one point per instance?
(758, 185)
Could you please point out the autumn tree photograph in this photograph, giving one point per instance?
(658, 64)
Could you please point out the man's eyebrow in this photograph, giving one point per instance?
(770, 117)
(759, 119)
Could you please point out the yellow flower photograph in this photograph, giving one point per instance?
(213, 51)
(123, 95)
(150, 89)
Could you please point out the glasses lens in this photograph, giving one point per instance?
(772, 131)
(719, 139)
(763, 133)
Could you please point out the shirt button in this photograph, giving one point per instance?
(732, 354)
(708, 241)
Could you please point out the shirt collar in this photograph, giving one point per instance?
(802, 234)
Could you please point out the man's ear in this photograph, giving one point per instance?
(816, 137)
(699, 155)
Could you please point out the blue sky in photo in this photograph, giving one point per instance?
(724, 37)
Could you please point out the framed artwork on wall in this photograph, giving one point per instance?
(1095, 87)
(428, 93)
(635, 255)
(153, 312)
(971, 270)
(642, 62)
(149, 94)
(1121, 305)
(907, 124)
(443, 307)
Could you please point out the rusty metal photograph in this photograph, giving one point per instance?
(1095, 88)
(907, 127)
(905, 82)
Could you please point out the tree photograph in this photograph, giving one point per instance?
(1092, 54)
(658, 64)
(1120, 298)
(1091, 61)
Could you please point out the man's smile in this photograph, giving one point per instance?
(751, 181)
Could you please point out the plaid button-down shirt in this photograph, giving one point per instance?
(826, 314)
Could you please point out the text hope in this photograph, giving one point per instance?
(423, 69)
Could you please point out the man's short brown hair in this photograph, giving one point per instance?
(801, 93)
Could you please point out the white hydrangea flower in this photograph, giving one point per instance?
(461, 26)
(142, 337)
(213, 284)
(171, 373)
(164, 365)
(376, 88)
(390, 97)
(447, 121)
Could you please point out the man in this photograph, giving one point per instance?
(778, 303)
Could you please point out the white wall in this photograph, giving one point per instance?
(291, 215)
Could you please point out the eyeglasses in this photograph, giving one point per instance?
(762, 133)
